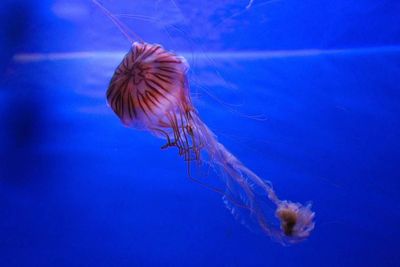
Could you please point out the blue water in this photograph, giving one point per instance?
(79, 189)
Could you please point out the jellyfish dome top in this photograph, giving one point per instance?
(149, 91)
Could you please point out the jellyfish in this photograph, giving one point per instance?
(149, 91)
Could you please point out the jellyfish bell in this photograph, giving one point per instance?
(149, 91)
(149, 83)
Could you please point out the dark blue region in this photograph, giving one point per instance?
(79, 189)
(78, 25)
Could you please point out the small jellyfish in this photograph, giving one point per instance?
(149, 91)
(296, 220)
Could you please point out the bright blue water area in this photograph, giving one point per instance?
(79, 189)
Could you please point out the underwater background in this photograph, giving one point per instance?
(304, 93)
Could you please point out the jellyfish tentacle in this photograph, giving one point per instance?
(121, 26)
(166, 136)
(212, 188)
(241, 191)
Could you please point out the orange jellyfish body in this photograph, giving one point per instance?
(147, 84)
(149, 91)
